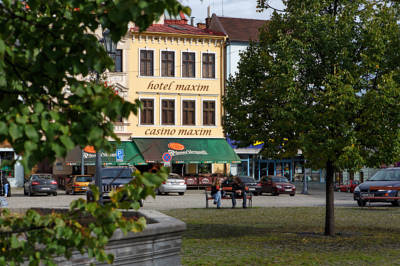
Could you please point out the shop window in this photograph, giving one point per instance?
(146, 63)
(117, 58)
(147, 112)
(167, 64)
(209, 113)
(188, 65)
(205, 168)
(168, 112)
(208, 65)
(189, 113)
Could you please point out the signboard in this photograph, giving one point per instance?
(119, 155)
(166, 157)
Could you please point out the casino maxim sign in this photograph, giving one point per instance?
(177, 132)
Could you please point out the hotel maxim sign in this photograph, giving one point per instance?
(175, 86)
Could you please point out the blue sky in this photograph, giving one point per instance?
(229, 8)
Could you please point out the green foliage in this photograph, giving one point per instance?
(86, 228)
(46, 47)
(324, 79)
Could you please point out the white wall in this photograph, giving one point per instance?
(233, 57)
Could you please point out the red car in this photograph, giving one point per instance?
(277, 185)
(349, 186)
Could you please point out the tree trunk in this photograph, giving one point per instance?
(330, 211)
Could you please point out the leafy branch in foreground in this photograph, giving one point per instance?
(86, 227)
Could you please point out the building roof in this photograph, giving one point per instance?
(177, 25)
(178, 29)
(237, 29)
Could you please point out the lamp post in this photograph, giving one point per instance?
(110, 48)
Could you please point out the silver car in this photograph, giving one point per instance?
(175, 183)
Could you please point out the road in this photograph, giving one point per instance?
(191, 199)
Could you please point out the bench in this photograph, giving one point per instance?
(372, 188)
(227, 195)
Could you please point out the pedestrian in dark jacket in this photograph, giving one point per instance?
(238, 190)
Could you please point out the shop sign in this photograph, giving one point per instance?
(176, 146)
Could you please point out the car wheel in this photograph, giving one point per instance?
(274, 193)
(159, 192)
(55, 194)
(361, 203)
(260, 193)
(30, 193)
(292, 195)
(395, 203)
(181, 193)
(166, 193)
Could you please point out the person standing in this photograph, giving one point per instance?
(216, 192)
(238, 190)
(4, 184)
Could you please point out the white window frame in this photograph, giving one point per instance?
(154, 62)
(167, 50)
(216, 113)
(175, 111)
(154, 113)
(195, 111)
(215, 65)
(195, 64)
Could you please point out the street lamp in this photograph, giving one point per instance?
(110, 47)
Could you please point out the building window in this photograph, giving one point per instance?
(189, 113)
(209, 113)
(188, 65)
(146, 63)
(147, 112)
(117, 58)
(168, 112)
(167, 64)
(208, 65)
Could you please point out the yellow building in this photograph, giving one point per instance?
(176, 70)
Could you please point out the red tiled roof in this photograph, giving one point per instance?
(237, 29)
(178, 29)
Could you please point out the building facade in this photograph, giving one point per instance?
(176, 70)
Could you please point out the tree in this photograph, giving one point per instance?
(47, 108)
(323, 79)
(46, 47)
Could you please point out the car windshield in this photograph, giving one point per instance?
(386, 175)
(35, 177)
(280, 179)
(83, 179)
(174, 176)
(246, 179)
(116, 172)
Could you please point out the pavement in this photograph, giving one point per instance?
(191, 199)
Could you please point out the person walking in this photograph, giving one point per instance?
(216, 189)
(238, 190)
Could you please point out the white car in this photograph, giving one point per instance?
(174, 184)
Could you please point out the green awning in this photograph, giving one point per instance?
(125, 153)
(187, 150)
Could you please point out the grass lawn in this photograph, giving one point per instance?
(290, 236)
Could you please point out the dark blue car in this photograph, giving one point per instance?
(389, 177)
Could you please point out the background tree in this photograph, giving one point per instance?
(324, 79)
(46, 47)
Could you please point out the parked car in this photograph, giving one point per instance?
(248, 181)
(78, 184)
(277, 185)
(174, 184)
(113, 178)
(349, 186)
(389, 177)
(40, 183)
